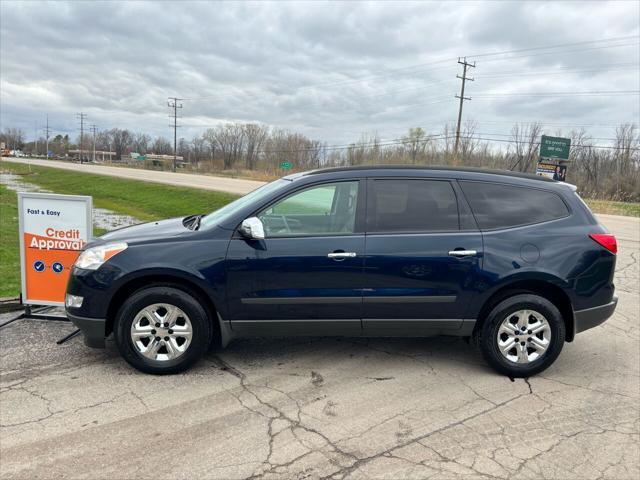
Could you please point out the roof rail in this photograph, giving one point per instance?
(489, 171)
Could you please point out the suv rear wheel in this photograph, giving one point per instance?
(162, 330)
(522, 335)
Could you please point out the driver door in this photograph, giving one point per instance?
(306, 276)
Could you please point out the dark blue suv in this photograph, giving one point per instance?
(516, 262)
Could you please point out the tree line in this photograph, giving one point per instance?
(611, 173)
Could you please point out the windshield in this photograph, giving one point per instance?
(222, 214)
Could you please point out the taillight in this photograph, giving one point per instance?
(607, 240)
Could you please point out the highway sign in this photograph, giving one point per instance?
(286, 165)
(555, 147)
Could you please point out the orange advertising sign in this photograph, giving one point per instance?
(53, 230)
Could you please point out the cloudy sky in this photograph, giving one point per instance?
(329, 70)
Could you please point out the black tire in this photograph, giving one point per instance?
(198, 318)
(488, 338)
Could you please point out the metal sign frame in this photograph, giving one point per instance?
(46, 196)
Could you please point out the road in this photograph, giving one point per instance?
(327, 408)
(237, 186)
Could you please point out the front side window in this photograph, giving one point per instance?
(502, 206)
(328, 209)
(408, 205)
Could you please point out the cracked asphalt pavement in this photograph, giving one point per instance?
(327, 408)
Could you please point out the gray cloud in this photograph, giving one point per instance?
(330, 70)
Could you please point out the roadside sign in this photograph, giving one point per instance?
(286, 165)
(555, 147)
(53, 230)
(551, 170)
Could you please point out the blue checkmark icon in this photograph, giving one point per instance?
(39, 266)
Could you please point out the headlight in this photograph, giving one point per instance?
(92, 258)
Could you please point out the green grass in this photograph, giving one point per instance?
(9, 250)
(629, 209)
(143, 200)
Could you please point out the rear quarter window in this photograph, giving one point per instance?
(497, 205)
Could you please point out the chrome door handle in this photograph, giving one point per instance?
(462, 253)
(341, 255)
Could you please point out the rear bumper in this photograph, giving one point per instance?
(592, 317)
(93, 329)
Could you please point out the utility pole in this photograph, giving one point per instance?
(82, 117)
(47, 131)
(462, 98)
(94, 129)
(173, 103)
(35, 139)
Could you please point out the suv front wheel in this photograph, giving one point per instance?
(162, 330)
(522, 335)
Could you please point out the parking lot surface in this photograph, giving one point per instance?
(327, 408)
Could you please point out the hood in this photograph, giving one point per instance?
(148, 231)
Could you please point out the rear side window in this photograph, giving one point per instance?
(502, 206)
(406, 205)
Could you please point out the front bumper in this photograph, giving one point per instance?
(592, 317)
(93, 329)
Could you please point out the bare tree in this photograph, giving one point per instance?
(13, 138)
(468, 142)
(255, 136)
(199, 149)
(415, 143)
(121, 141)
(230, 140)
(525, 141)
(162, 146)
(141, 143)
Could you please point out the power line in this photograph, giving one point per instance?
(94, 128)
(509, 135)
(558, 45)
(404, 69)
(564, 70)
(35, 138)
(380, 143)
(559, 52)
(173, 103)
(488, 54)
(548, 124)
(405, 141)
(596, 93)
(47, 131)
(502, 140)
(445, 60)
(82, 117)
(462, 98)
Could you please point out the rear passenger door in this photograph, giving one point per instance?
(423, 257)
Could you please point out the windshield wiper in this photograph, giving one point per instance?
(196, 222)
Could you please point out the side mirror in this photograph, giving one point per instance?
(252, 228)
